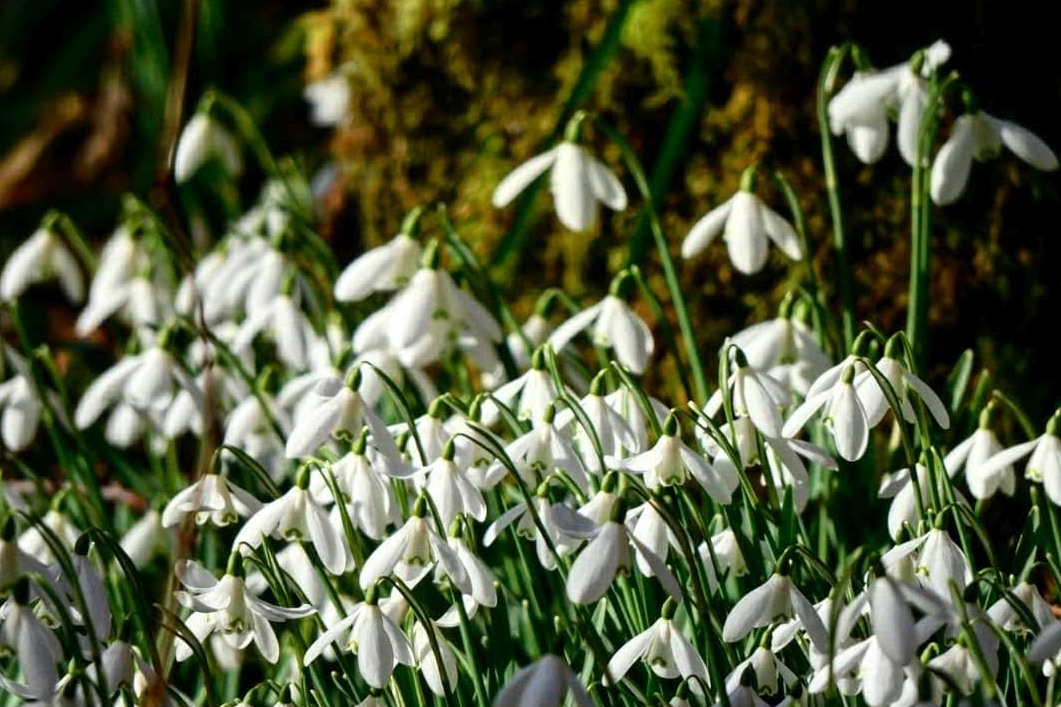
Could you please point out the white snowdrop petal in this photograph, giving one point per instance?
(594, 569)
(627, 655)
(950, 170)
(1027, 145)
(576, 207)
(745, 234)
(605, 185)
(892, 621)
(706, 229)
(782, 233)
(521, 177)
(848, 423)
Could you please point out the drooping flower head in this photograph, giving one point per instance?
(579, 182)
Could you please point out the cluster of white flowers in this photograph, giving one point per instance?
(366, 461)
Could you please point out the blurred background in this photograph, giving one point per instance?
(447, 96)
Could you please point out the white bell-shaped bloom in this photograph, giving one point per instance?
(747, 225)
(785, 349)
(613, 324)
(725, 551)
(436, 676)
(203, 138)
(1044, 464)
(579, 183)
(376, 639)
(213, 498)
(382, 269)
(755, 395)
(41, 256)
(296, 517)
(410, 553)
(971, 455)
(981, 136)
(237, 615)
(775, 599)
(862, 108)
(844, 416)
(606, 555)
(664, 649)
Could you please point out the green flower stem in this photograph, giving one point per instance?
(826, 84)
(921, 223)
(674, 287)
(813, 291)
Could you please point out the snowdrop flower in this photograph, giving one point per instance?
(755, 394)
(41, 256)
(36, 646)
(766, 666)
(776, 598)
(747, 225)
(366, 493)
(296, 517)
(1044, 464)
(528, 396)
(329, 100)
(527, 528)
(32, 541)
(663, 647)
(237, 615)
(450, 488)
(785, 349)
(148, 381)
(20, 404)
(480, 578)
(1004, 613)
(427, 317)
(725, 552)
(980, 136)
(579, 182)
(213, 498)
(844, 416)
(1046, 648)
(939, 561)
(410, 553)
(608, 426)
(290, 328)
(337, 408)
(428, 662)
(902, 381)
(972, 455)
(383, 268)
(613, 325)
(670, 462)
(544, 683)
(203, 138)
(376, 639)
(537, 453)
(862, 107)
(606, 555)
